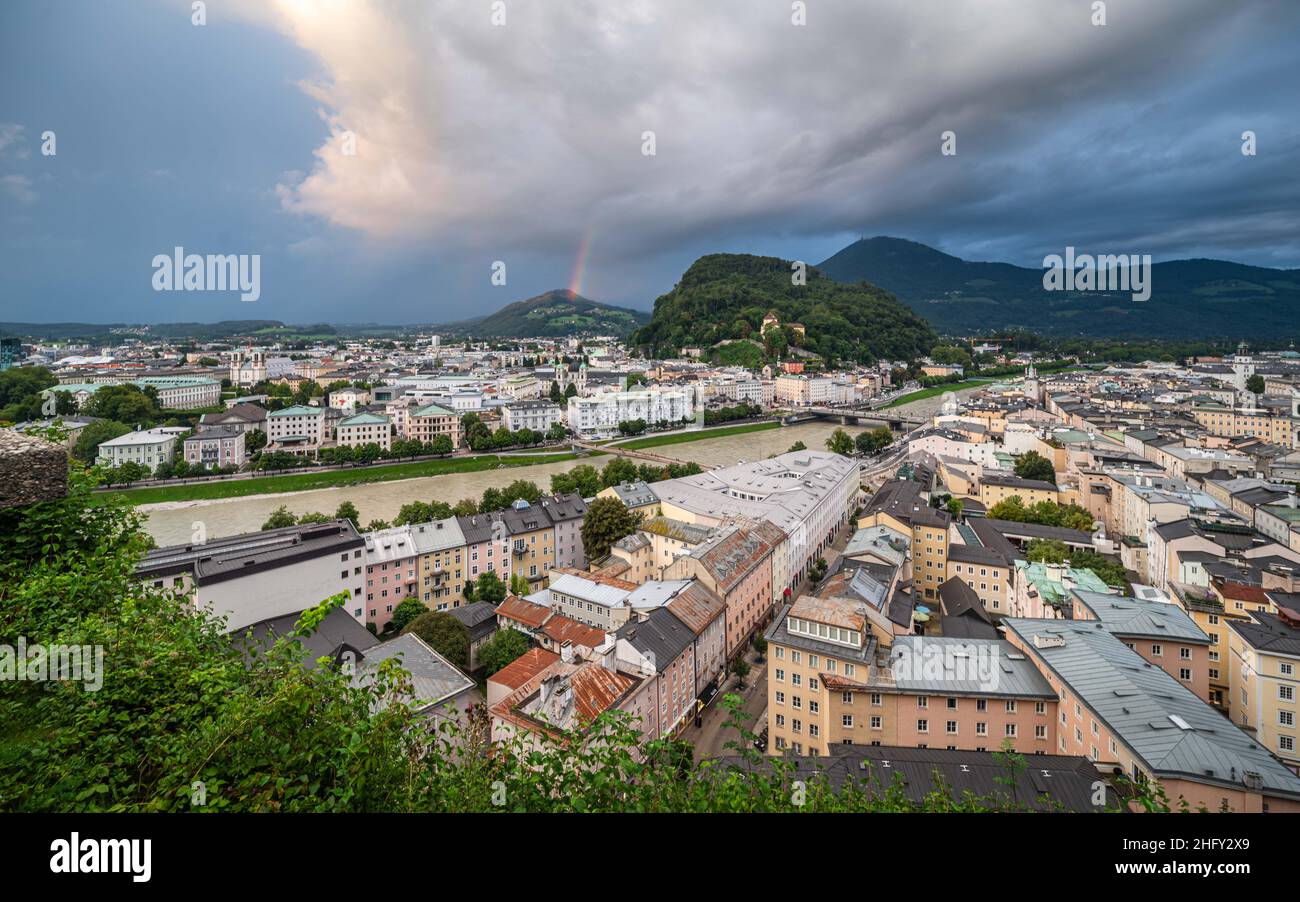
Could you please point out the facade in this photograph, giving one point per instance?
(567, 513)
(538, 416)
(245, 417)
(297, 430)
(365, 429)
(598, 416)
(259, 576)
(1264, 663)
(214, 448)
(442, 549)
(392, 573)
(532, 541)
(148, 448)
(426, 423)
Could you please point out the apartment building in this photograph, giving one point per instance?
(487, 549)
(365, 429)
(987, 572)
(1161, 633)
(995, 488)
(442, 548)
(259, 576)
(214, 448)
(831, 683)
(298, 429)
(392, 572)
(736, 565)
(808, 495)
(1136, 721)
(349, 399)
(242, 417)
(567, 513)
(1264, 673)
(899, 505)
(532, 541)
(538, 416)
(424, 424)
(147, 447)
(660, 648)
(598, 416)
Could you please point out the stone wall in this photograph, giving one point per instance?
(31, 469)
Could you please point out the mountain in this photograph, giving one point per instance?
(555, 314)
(725, 297)
(1189, 298)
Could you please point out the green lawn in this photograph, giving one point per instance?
(934, 390)
(654, 441)
(301, 482)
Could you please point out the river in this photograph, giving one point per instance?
(182, 522)
(175, 523)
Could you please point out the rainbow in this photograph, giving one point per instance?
(580, 263)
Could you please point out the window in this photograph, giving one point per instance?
(796, 702)
(1157, 651)
(952, 704)
(846, 721)
(981, 728)
(1011, 731)
(951, 727)
(846, 697)
(780, 675)
(922, 701)
(780, 698)
(1011, 706)
(1286, 718)
(981, 704)
(1286, 693)
(1286, 744)
(1285, 669)
(1040, 707)
(1185, 653)
(1185, 674)
(876, 721)
(923, 726)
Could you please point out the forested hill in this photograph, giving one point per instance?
(724, 297)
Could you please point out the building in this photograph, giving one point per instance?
(567, 513)
(298, 429)
(538, 416)
(899, 506)
(480, 618)
(661, 649)
(598, 416)
(532, 540)
(426, 423)
(248, 367)
(1136, 721)
(183, 392)
(638, 497)
(214, 448)
(392, 573)
(148, 448)
(487, 548)
(1264, 673)
(365, 429)
(349, 399)
(442, 549)
(808, 495)
(259, 576)
(244, 417)
(736, 565)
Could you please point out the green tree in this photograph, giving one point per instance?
(444, 634)
(873, 440)
(955, 506)
(797, 446)
(93, 435)
(618, 471)
(740, 667)
(348, 511)
(1032, 465)
(840, 442)
(1048, 551)
(489, 588)
(607, 520)
(1255, 384)
(280, 518)
(505, 646)
(556, 395)
(125, 404)
(406, 611)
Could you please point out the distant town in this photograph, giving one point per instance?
(1093, 567)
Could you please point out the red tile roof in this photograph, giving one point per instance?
(525, 612)
(524, 668)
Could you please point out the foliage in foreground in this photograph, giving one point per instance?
(184, 721)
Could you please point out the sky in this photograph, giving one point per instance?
(383, 159)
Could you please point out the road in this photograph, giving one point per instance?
(711, 737)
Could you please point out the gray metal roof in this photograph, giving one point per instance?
(1138, 701)
(433, 678)
(939, 665)
(1136, 617)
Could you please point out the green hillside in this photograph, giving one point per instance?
(724, 297)
(555, 314)
(1189, 298)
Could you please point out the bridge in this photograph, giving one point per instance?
(853, 415)
(636, 454)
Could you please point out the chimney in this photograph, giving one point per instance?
(566, 652)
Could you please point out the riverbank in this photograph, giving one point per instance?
(307, 481)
